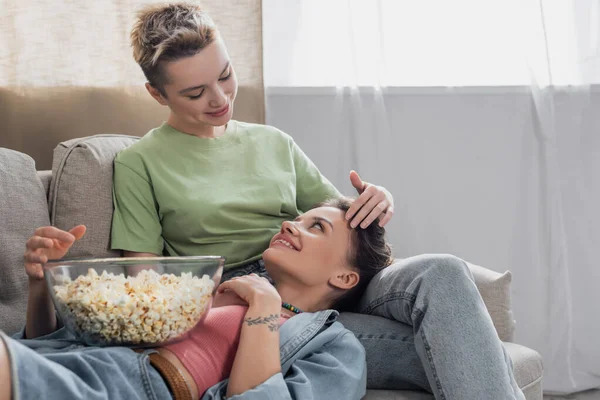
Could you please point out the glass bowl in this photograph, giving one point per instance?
(136, 302)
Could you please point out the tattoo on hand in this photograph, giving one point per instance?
(272, 321)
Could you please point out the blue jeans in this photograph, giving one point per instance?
(424, 326)
(65, 369)
(255, 267)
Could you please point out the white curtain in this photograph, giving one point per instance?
(480, 117)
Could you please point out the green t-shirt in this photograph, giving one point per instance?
(181, 195)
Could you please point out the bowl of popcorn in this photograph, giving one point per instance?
(137, 302)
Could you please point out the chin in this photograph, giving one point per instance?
(213, 121)
(267, 255)
(276, 259)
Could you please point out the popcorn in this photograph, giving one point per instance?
(148, 308)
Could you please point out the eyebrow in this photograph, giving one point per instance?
(318, 219)
(203, 86)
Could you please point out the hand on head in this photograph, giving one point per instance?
(48, 243)
(373, 202)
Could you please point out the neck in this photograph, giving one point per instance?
(200, 130)
(307, 299)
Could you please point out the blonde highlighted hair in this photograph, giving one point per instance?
(168, 32)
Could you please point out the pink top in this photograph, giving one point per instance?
(209, 352)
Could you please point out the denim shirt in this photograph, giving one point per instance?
(320, 359)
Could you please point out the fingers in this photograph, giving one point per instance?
(388, 216)
(35, 271)
(39, 242)
(36, 257)
(228, 298)
(375, 213)
(33, 263)
(48, 241)
(369, 212)
(228, 285)
(358, 184)
(358, 203)
(52, 232)
(238, 281)
(371, 200)
(78, 231)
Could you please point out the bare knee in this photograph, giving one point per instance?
(5, 383)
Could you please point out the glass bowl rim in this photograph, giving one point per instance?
(124, 260)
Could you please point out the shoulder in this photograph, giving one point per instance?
(146, 147)
(263, 132)
(334, 334)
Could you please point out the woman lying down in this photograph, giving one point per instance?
(255, 343)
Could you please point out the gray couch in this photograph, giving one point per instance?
(78, 190)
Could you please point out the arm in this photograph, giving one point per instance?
(136, 227)
(47, 243)
(336, 371)
(257, 355)
(41, 318)
(138, 254)
(311, 186)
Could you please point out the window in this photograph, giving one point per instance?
(429, 42)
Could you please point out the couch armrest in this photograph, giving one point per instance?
(527, 368)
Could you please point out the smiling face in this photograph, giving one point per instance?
(199, 89)
(313, 250)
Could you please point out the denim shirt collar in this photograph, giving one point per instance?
(300, 329)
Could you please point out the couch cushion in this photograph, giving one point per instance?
(46, 178)
(23, 208)
(495, 291)
(81, 191)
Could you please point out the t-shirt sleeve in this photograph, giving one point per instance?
(311, 186)
(136, 224)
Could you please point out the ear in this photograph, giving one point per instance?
(156, 94)
(344, 279)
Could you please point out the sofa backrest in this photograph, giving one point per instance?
(81, 190)
(23, 208)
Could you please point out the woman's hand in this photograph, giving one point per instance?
(48, 243)
(373, 202)
(252, 289)
(227, 298)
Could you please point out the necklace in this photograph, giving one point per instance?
(290, 307)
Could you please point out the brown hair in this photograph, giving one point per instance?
(369, 253)
(168, 32)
